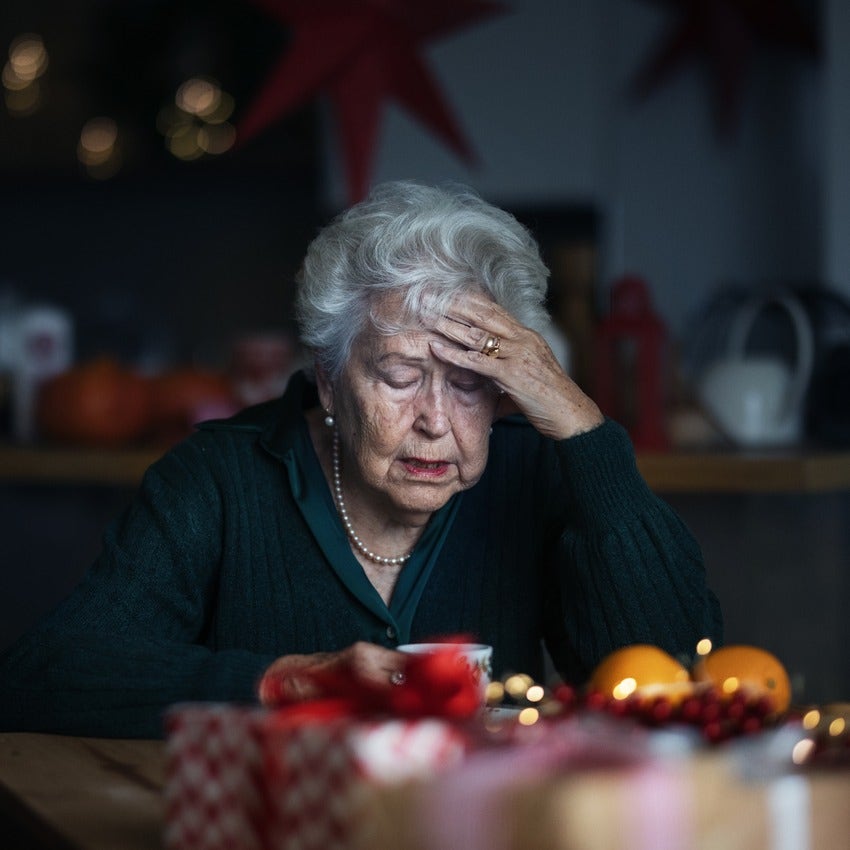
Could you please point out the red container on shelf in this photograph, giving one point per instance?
(630, 364)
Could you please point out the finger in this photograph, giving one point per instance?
(477, 311)
(483, 339)
(375, 665)
(282, 685)
(298, 687)
(466, 358)
(469, 336)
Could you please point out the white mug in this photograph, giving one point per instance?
(478, 657)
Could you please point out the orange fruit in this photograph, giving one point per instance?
(750, 668)
(641, 670)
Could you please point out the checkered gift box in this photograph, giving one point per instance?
(249, 779)
(213, 794)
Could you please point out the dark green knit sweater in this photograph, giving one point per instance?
(212, 573)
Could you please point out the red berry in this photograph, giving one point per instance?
(566, 695)
(621, 707)
(661, 710)
(750, 725)
(691, 709)
(736, 709)
(711, 712)
(596, 701)
(714, 731)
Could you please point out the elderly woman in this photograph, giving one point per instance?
(433, 471)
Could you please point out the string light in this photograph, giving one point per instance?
(98, 149)
(704, 646)
(196, 123)
(27, 63)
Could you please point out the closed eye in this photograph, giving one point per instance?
(401, 378)
(469, 382)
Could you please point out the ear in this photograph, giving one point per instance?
(325, 388)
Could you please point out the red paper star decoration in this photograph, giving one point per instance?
(726, 34)
(361, 53)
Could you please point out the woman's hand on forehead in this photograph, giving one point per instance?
(471, 319)
(487, 339)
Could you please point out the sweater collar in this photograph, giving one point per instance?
(280, 432)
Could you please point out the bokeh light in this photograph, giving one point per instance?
(535, 693)
(624, 688)
(28, 57)
(811, 719)
(216, 138)
(23, 102)
(28, 60)
(802, 751)
(182, 141)
(495, 693)
(196, 123)
(528, 716)
(98, 149)
(198, 96)
(518, 684)
(730, 685)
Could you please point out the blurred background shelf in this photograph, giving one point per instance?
(805, 471)
(809, 471)
(107, 467)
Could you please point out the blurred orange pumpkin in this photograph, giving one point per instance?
(186, 395)
(98, 403)
(748, 668)
(641, 670)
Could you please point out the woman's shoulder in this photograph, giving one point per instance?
(217, 448)
(254, 419)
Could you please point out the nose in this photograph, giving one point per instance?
(432, 416)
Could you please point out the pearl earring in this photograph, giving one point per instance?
(329, 420)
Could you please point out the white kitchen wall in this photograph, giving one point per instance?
(542, 95)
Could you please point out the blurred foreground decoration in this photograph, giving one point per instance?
(361, 53)
(726, 34)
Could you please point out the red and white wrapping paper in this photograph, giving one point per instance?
(214, 797)
(250, 779)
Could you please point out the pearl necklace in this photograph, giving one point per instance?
(361, 547)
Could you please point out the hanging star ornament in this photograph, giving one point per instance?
(361, 53)
(726, 34)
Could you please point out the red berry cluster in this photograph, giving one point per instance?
(717, 715)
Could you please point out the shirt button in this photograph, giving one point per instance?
(392, 634)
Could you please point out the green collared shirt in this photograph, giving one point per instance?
(316, 504)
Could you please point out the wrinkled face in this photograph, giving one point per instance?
(414, 430)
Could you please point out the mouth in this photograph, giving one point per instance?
(428, 468)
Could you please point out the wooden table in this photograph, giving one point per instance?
(67, 793)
